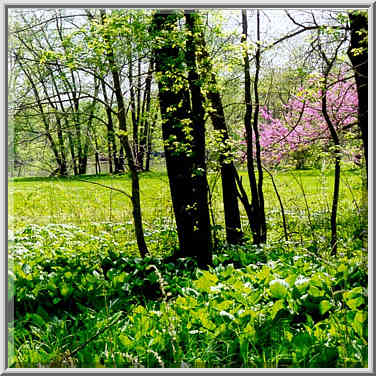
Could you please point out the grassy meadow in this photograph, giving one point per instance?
(84, 298)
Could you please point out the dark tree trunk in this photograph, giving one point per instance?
(135, 124)
(261, 214)
(201, 220)
(145, 117)
(234, 233)
(337, 168)
(97, 163)
(176, 126)
(257, 220)
(358, 54)
(111, 142)
(149, 144)
(121, 159)
(63, 158)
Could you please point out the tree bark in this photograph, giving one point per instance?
(337, 167)
(201, 221)
(145, 118)
(257, 222)
(111, 141)
(177, 135)
(358, 54)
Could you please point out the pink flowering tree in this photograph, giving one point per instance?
(302, 124)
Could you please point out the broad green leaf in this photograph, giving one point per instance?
(277, 306)
(206, 281)
(359, 322)
(355, 303)
(324, 306)
(315, 292)
(279, 288)
(65, 290)
(125, 340)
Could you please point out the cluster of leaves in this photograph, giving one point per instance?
(286, 312)
(62, 267)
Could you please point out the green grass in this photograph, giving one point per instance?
(85, 299)
(43, 201)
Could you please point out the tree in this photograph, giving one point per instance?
(234, 233)
(358, 55)
(135, 196)
(302, 124)
(183, 135)
(257, 210)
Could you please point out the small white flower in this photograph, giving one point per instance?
(229, 315)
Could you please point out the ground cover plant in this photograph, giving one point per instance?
(188, 188)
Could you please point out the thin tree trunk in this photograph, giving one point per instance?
(149, 144)
(145, 116)
(257, 216)
(337, 168)
(111, 142)
(133, 112)
(63, 165)
(261, 213)
(136, 205)
(234, 234)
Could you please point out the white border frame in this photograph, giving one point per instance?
(181, 4)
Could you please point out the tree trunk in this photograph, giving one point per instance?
(337, 168)
(177, 135)
(63, 158)
(145, 117)
(358, 54)
(261, 214)
(234, 233)
(135, 197)
(111, 142)
(149, 143)
(135, 123)
(201, 222)
(257, 222)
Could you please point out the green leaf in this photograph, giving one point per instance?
(65, 290)
(278, 305)
(125, 340)
(324, 306)
(358, 322)
(250, 331)
(279, 288)
(355, 303)
(315, 292)
(206, 281)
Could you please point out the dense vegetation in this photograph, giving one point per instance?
(186, 190)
